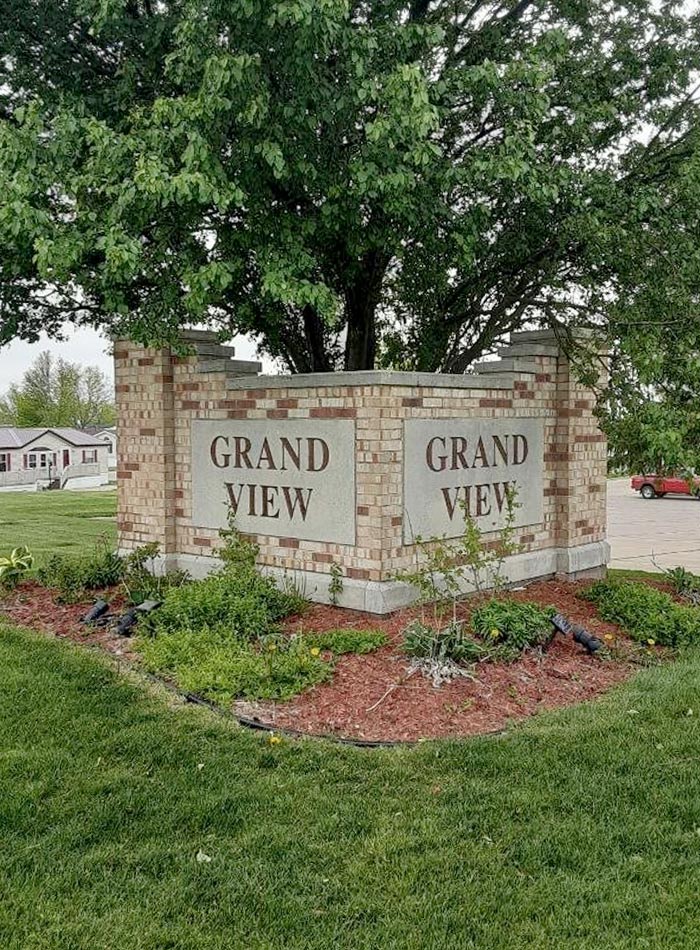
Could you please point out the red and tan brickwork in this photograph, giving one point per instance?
(159, 394)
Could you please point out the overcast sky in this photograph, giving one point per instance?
(81, 346)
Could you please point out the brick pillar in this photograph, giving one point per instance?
(145, 446)
(582, 482)
(577, 454)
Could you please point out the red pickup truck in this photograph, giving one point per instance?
(656, 486)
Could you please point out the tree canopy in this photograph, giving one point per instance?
(58, 393)
(351, 182)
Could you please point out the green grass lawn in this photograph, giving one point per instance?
(578, 830)
(56, 521)
(625, 574)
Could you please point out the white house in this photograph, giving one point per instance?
(108, 435)
(31, 459)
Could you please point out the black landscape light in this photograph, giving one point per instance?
(561, 624)
(98, 609)
(127, 622)
(586, 639)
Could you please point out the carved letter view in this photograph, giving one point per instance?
(452, 466)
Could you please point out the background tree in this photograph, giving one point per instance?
(351, 182)
(57, 393)
(651, 407)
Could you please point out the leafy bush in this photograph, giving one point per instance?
(503, 627)
(645, 612)
(214, 662)
(347, 641)
(219, 636)
(15, 566)
(513, 625)
(246, 604)
(71, 576)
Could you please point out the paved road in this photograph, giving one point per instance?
(667, 529)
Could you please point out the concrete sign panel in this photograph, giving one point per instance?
(293, 478)
(457, 465)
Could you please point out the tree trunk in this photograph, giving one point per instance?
(314, 332)
(361, 343)
(361, 301)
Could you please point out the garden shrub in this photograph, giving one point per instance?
(214, 662)
(245, 603)
(71, 576)
(646, 613)
(341, 641)
(513, 625)
(219, 637)
(503, 629)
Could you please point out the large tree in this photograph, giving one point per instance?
(353, 182)
(58, 393)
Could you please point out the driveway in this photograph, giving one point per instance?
(667, 529)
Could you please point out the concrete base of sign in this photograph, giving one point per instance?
(383, 597)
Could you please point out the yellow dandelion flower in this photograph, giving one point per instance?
(314, 651)
(494, 633)
(609, 636)
(273, 739)
(651, 642)
(272, 647)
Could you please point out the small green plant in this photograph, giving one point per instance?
(501, 630)
(436, 577)
(646, 613)
(238, 553)
(513, 625)
(484, 562)
(139, 577)
(439, 654)
(450, 643)
(219, 637)
(14, 567)
(685, 584)
(72, 576)
(216, 663)
(682, 580)
(441, 565)
(335, 585)
(347, 641)
(293, 590)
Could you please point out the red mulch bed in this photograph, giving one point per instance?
(370, 698)
(33, 606)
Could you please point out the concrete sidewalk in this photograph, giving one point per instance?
(667, 529)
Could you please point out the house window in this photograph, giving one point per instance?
(4, 461)
(37, 460)
(89, 455)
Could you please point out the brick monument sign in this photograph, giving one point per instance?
(349, 468)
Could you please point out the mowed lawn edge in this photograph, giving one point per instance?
(130, 821)
(57, 522)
